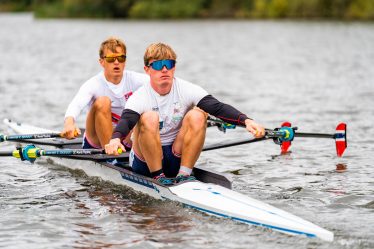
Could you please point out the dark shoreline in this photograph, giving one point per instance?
(346, 10)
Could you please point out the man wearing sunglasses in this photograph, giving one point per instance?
(170, 118)
(105, 94)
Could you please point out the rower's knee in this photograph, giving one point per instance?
(149, 122)
(102, 104)
(196, 119)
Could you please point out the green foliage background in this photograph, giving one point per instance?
(180, 9)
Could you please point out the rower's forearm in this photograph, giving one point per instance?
(127, 122)
(122, 130)
(69, 121)
(223, 111)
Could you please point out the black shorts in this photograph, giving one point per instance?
(170, 162)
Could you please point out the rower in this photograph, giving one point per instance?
(105, 94)
(170, 118)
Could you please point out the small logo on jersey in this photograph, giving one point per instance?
(177, 113)
(127, 95)
(155, 108)
(177, 107)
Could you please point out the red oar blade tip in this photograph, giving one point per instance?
(341, 139)
(285, 144)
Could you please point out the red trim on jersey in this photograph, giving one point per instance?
(115, 118)
(127, 95)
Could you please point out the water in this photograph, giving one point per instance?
(313, 74)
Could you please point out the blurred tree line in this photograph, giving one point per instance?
(179, 9)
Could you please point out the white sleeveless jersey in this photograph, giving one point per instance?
(98, 86)
(171, 107)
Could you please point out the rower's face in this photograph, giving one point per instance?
(161, 80)
(113, 69)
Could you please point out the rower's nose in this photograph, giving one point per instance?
(164, 69)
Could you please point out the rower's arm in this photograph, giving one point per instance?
(80, 100)
(128, 120)
(222, 111)
(70, 129)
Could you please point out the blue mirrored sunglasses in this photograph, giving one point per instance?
(158, 65)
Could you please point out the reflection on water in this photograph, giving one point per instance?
(142, 213)
(341, 167)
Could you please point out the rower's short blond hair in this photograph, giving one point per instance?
(111, 44)
(159, 51)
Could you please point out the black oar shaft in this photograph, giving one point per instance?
(68, 152)
(230, 144)
(315, 135)
(6, 153)
(274, 133)
(29, 136)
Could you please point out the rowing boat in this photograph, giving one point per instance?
(211, 193)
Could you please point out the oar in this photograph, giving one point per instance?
(282, 136)
(28, 136)
(20, 137)
(30, 152)
(340, 137)
(211, 122)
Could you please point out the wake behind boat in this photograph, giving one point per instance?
(210, 193)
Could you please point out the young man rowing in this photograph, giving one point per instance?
(106, 95)
(170, 131)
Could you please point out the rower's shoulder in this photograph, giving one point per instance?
(94, 82)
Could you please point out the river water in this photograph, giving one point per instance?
(313, 74)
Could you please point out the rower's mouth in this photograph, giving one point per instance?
(116, 68)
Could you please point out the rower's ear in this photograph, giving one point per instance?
(146, 70)
(101, 62)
